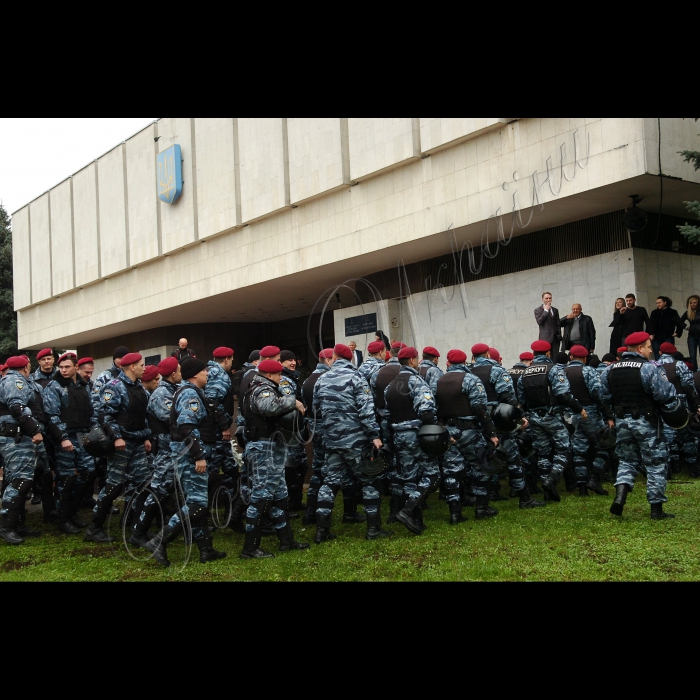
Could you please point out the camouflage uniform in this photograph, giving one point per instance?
(430, 373)
(20, 454)
(640, 446)
(296, 463)
(344, 410)
(369, 368)
(42, 378)
(103, 378)
(69, 411)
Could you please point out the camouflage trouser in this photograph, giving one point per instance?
(194, 489)
(318, 465)
(681, 439)
(549, 435)
(125, 467)
(582, 440)
(340, 473)
(72, 469)
(640, 451)
(460, 462)
(20, 459)
(516, 470)
(265, 465)
(162, 479)
(417, 471)
(221, 459)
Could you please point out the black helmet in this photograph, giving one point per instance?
(373, 462)
(240, 437)
(605, 438)
(491, 460)
(434, 439)
(506, 417)
(675, 417)
(290, 425)
(571, 421)
(525, 445)
(96, 442)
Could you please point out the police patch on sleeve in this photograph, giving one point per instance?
(19, 384)
(168, 403)
(193, 405)
(265, 394)
(108, 395)
(428, 396)
(286, 390)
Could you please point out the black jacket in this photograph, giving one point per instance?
(586, 328)
(632, 321)
(693, 326)
(663, 323)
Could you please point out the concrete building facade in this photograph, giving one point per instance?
(449, 229)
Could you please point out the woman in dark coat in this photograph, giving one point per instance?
(616, 325)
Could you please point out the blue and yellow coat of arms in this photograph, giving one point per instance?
(169, 174)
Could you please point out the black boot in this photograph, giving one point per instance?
(657, 512)
(8, 524)
(323, 529)
(287, 541)
(65, 510)
(569, 478)
(582, 490)
(253, 535)
(311, 505)
(495, 492)
(396, 503)
(144, 519)
(594, 484)
(527, 500)
(76, 502)
(237, 521)
(22, 530)
(374, 527)
(95, 532)
(532, 484)
(549, 486)
(456, 516)
(350, 514)
(207, 552)
(621, 491)
(411, 516)
(483, 510)
(158, 545)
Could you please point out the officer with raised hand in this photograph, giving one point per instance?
(462, 407)
(586, 389)
(68, 407)
(672, 363)
(498, 385)
(636, 388)
(122, 414)
(20, 441)
(325, 362)
(46, 370)
(190, 421)
(160, 404)
(264, 406)
(342, 404)
(428, 367)
(543, 387)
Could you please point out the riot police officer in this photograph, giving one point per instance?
(428, 367)
(46, 370)
(374, 361)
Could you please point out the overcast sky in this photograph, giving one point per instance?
(36, 154)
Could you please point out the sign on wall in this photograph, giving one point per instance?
(357, 325)
(169, 174)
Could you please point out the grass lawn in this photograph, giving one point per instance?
(575, 540)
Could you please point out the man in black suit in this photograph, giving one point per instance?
(356, 354)
(547, 318)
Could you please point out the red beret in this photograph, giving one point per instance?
(638, 339)
(85, 361)
(375, 346)
(429, 350)
(270, 351)
(131, 358)
(17, 362)
(621, 350)
(67, 356)
(3, 368)
(668, 348)
(223, 352)
(398, 344)
(44, 353)
(457, 357)
(479, 349)
(578, 351)
(526, 356)
(150, 372)
(407, 353)
(494, 354)
(167, 366)
(343, 351)
(270, 366)
(541, 346)
(387, 356)
(326, 354)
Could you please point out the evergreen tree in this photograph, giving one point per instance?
(8, 317)
(692, 233)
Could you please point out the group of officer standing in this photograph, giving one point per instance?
(396, 426)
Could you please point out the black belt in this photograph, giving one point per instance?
(9, 429)
(463, 424)
(634, 411)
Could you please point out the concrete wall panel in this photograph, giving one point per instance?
(21, 264)
(143, 202)
(216, 176)
(436, 132)
(62, 237)
(263, 164)
(85, 225)
(318, 161)
(113, 241)
(41, 248)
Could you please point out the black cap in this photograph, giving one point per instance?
(608, 357)
(562, 358)
(120, 352)
(254, 356)
(287, 355)
(191, 366)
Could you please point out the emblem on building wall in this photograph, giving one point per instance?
(169, 174)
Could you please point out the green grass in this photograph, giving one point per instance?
(575, 540)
